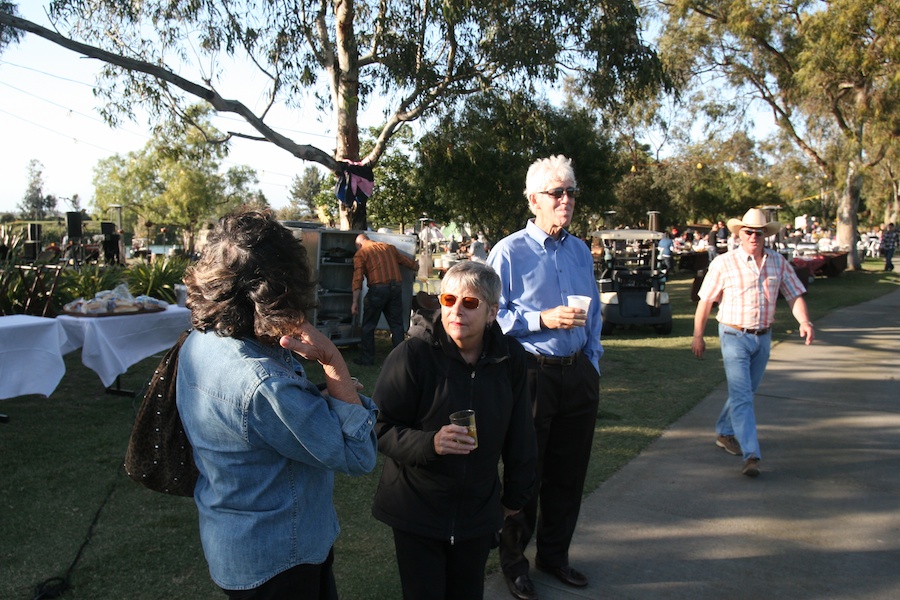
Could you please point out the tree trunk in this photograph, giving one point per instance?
(354, 217)
(346, 89)
(847, 219)
(187, 240)
(893, 206)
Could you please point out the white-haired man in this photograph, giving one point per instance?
(540, 266)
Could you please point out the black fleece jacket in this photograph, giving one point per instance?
(453, 497)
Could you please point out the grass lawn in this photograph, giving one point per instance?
(61, 466)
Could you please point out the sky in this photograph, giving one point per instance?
(48, 112)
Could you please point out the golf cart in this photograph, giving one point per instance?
(631, 280)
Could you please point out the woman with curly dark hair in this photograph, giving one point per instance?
(266, 440)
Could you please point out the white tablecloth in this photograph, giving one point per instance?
(31, 350)
(109, 345)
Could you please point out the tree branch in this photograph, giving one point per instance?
(303, 152)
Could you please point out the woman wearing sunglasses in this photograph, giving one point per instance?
(440, 493)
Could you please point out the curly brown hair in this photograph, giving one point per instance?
(253, 279)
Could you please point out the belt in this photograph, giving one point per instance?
(554, 361)
(746, 330)
(388, 284)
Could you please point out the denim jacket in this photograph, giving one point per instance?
(266, 443)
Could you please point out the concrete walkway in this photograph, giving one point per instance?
(822, 521)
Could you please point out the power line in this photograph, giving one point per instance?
(74, 139)
(262, 181)
(65, 108)
(32, 69)
(225, 116)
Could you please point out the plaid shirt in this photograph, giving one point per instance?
(747, 294)
(379, 263)
(889, 239)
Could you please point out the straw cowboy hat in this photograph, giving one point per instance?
(754, 219)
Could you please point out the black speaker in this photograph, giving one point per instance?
(73, 225)
(107, 228)
(31, 250)
(34, 232)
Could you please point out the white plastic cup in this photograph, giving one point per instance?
(180, 294)
(582, 302)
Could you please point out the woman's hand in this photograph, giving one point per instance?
(453, 439)
(312, 344)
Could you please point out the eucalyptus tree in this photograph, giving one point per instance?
(715, 180)
(35, 204)
(175, 180)
(9, 35)
(303, 193)
(342, 55)
(882, 190)
(809, 62)
(640, 191)
(880, 194)
(400, 199)
(802, 187)
(473, 163)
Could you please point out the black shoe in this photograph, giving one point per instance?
(568, 575)
(521, 587)
(363, 363)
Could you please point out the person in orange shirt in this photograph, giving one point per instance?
(380, 264)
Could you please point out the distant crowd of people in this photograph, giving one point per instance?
(814, 237)
(475, 248)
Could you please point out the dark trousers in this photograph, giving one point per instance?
(387, 299)
(297, 583)
(565, 400)
(437, 570)
(889, 259)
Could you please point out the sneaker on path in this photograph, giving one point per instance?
(729, 444)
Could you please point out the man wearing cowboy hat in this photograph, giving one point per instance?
(746, 283)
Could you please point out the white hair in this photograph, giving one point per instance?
(543, 170)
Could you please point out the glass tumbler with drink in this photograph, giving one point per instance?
(466, 418)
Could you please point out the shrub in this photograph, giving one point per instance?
(86, 281)
(157, 279)
(12, 285)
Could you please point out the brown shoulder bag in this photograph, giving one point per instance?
(159, 455)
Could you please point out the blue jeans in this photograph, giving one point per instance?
(387, 299)
(745, 356)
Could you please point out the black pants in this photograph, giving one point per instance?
(297, 583)
(436, 570)
(565, 415)
(387, 299)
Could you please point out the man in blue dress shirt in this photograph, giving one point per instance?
(540, 266)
